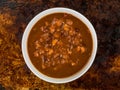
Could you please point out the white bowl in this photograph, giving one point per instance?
(25, 51)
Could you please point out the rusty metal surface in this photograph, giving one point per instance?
(105, 17)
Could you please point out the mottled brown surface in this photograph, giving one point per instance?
(104, 15)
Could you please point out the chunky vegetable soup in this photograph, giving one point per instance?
(59, 45)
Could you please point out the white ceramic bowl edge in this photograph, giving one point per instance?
(25, 51)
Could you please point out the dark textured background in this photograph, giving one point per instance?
(103, 14)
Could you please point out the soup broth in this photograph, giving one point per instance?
(59, 45)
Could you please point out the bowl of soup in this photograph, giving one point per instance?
(59, 45)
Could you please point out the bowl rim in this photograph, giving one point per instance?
(25, 51)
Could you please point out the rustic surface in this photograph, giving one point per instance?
(104, 73)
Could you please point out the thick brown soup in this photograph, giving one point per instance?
(59, 45)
